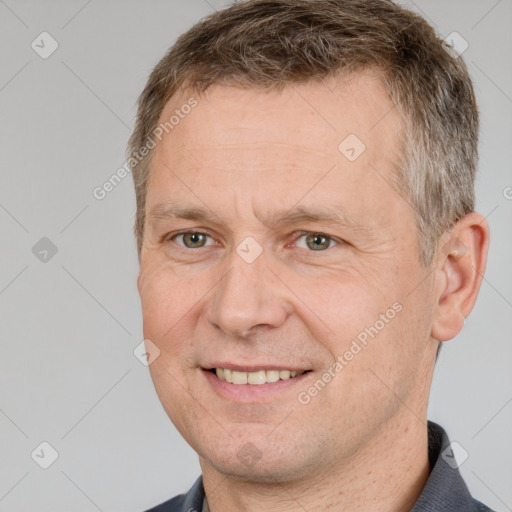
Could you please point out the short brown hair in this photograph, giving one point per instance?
(268, 44)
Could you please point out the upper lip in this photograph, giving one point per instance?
(256, 368)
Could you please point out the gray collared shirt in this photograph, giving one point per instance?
(445, 490)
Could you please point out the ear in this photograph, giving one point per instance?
(461, 260)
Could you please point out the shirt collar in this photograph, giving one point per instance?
(445, 489)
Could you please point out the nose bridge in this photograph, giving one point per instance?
(246, 297)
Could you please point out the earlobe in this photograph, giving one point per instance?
(462, 257)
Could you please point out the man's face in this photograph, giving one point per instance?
(266, 281)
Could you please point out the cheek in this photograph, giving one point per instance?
(375, 325)
(166, 298)
(345, 306)
(171, 389)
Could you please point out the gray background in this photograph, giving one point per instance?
(68, 375)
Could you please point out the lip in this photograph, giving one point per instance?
(247, 393)
(254, 368)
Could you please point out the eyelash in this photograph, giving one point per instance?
(299, 233)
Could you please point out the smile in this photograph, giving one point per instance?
(255, 378)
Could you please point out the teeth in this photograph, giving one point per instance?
(254, 378)
(257, 377)
(272, 375)
(239, 377)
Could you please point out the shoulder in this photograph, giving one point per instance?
(173, 505)
(445, 489)
(192, 501)
(481, 507)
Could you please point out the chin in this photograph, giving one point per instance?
(262, 471)
(243, 460)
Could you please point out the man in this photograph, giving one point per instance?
(304, 173)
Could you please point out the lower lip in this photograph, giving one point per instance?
(250, 392)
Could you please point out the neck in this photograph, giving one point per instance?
(387, 474)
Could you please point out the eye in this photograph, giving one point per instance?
(192, 239)
(315, 241)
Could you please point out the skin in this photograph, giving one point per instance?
(243, 155)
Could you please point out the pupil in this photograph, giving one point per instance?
(318, 241)
(194, 238)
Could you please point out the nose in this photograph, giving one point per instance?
(247, 299)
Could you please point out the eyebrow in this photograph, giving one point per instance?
(316, 214)
(294, 215)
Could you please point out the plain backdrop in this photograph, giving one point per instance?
(70, 313)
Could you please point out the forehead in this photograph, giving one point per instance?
(298, 125)
(239, 147)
